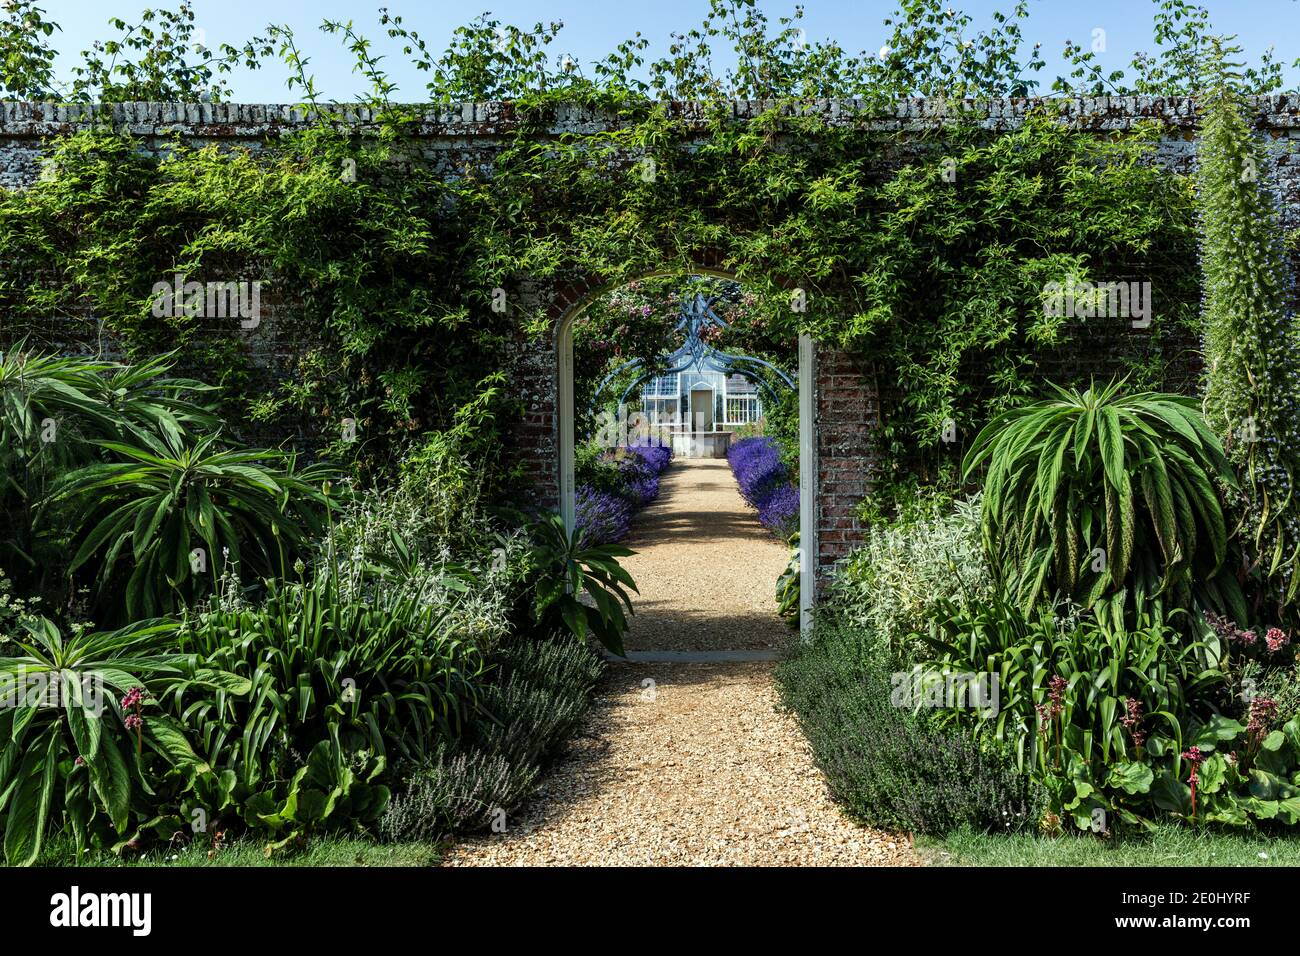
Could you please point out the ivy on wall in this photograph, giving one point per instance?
(929, 255)
(936, 269)
(362, 276)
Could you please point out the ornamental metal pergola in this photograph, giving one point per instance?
(696, 315)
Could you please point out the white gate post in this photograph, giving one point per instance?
(564, 408)
(807, 483)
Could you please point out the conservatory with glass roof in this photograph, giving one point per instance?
(699, 395)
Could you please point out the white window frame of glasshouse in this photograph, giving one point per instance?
(655, 393)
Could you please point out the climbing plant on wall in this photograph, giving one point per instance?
(387, 275)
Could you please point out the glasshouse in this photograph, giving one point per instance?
(490, 445)
(698, 396)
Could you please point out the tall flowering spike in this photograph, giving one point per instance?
(1252, 345)
(1132, 721)
(1195, 757)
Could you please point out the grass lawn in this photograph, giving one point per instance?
(320, 852)
(1168, 846)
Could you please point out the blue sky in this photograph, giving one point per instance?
(593, 27)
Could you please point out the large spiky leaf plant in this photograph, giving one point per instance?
(1089, 491)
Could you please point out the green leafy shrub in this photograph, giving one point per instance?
(895, 584)
(347, 673)
(1084, 703)
(479, 590)
(967, 237)
(54, 412)
(450, 476)
(561, 570)
(84, 746)
(910, 498)
(168, 497)
(890, 766)
(1235, 773)
(1087, 491)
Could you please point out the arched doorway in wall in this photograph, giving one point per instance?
(804, 380)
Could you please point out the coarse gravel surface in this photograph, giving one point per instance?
(705, 568)
(693, 763)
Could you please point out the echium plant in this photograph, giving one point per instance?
(1252, 345)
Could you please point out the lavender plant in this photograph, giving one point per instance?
(765, 483)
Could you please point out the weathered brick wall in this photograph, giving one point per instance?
(846, 418)
(847, 400)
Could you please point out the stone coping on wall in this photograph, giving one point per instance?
(242, 120)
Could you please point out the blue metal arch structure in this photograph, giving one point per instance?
(697, 315)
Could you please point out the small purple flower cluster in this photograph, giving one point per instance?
(603, 517)
(765, 483)
(1275, 639)
(655, 455)
(1132, 721)
(641, 465)
(1048, 712)
(1263, 711)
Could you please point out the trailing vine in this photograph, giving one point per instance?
(929, 255)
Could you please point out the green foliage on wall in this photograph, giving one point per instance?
(362, 277)
(383, 271)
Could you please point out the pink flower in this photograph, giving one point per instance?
(133, 722)
(1194, 756)
(1262, 712)
(1044, 718)
(134, 698)
(1276, 639)
(1133, 722)
(1056, 691)
(1221, 626)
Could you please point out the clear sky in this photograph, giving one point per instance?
(593, 27)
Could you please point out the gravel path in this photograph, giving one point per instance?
(690, 763)
(705, 568)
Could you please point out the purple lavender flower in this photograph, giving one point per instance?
(655, 457)
(780, 513)
(765, 483)
(600, 517)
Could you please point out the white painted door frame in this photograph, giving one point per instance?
(807, 483)
(807, 456)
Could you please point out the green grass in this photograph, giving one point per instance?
(1167, 846)
(318, 852)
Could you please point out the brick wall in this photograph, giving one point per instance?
(846, 417)
(847, 388)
